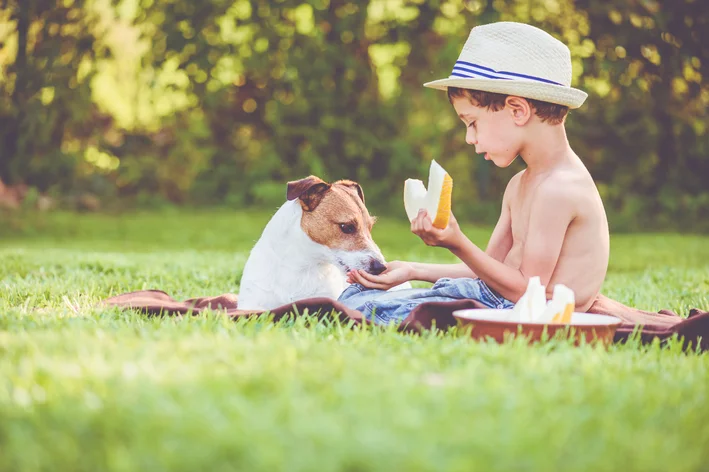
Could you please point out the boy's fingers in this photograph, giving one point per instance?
(381, 282)
(420, 216)
(365, 275)
(365, 282)
(427, 224)
(421, 220)
(423, 217)
(360, 280)
(376, 279)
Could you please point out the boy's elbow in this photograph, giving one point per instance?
(514, 291)
(518, 287)
(517, 293)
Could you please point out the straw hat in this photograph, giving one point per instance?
(515, 59)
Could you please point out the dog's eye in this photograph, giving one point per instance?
(347, 228)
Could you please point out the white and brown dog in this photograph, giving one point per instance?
(319, 234)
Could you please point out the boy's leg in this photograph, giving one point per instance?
(392, 307)
(356, 295)
(472, 289)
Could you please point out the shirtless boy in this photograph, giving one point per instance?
(511, 89)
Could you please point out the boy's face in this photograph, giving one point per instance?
(493, 133)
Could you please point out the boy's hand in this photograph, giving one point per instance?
(397, 272)
(450, 238)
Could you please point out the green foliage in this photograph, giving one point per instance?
(46, 110)
(647, 136)
(222, 102)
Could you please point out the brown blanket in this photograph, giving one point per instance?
(662, 325)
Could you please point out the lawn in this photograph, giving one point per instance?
(88, 388)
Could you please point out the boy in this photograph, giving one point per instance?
(511, 89)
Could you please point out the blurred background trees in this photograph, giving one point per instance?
(220, 102)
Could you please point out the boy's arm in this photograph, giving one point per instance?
(501, 239)
(427, 272)
(398, 272)
(551, 213)
(498, 247)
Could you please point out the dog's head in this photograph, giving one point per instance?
(335, 217)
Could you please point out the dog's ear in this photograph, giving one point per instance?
(309, 190)
(354, 185)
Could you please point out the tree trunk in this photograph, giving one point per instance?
(662, 113)
(19, 95)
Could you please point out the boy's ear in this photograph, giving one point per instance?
(520, 108)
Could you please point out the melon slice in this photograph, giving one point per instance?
(561, 306)
(436, 200)
(531, 304)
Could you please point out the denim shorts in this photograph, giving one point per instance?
(393, 306)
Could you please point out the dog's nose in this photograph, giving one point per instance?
(376, 267)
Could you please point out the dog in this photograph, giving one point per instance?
(321, 232)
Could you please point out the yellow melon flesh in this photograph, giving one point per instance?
(562, 304)
(436, 200)
(565, 316)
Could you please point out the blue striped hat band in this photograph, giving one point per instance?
(468, 70)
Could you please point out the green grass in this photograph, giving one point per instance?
(85, 388)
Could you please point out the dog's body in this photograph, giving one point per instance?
(285, 265)
(321, 232)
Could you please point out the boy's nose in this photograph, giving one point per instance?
(470, 137)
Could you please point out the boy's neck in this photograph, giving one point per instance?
(548, 149)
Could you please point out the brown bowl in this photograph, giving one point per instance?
(500, 324)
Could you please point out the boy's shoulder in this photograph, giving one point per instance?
(565, 176)
(513, 183)
(561, 186)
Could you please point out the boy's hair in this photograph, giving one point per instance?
(548, 112)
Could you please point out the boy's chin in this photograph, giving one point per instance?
(501, 161)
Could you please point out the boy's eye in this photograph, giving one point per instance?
(472, 124)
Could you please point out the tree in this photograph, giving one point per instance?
(45, 99)
(653, 57)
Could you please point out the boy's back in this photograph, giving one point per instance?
(536, 203)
